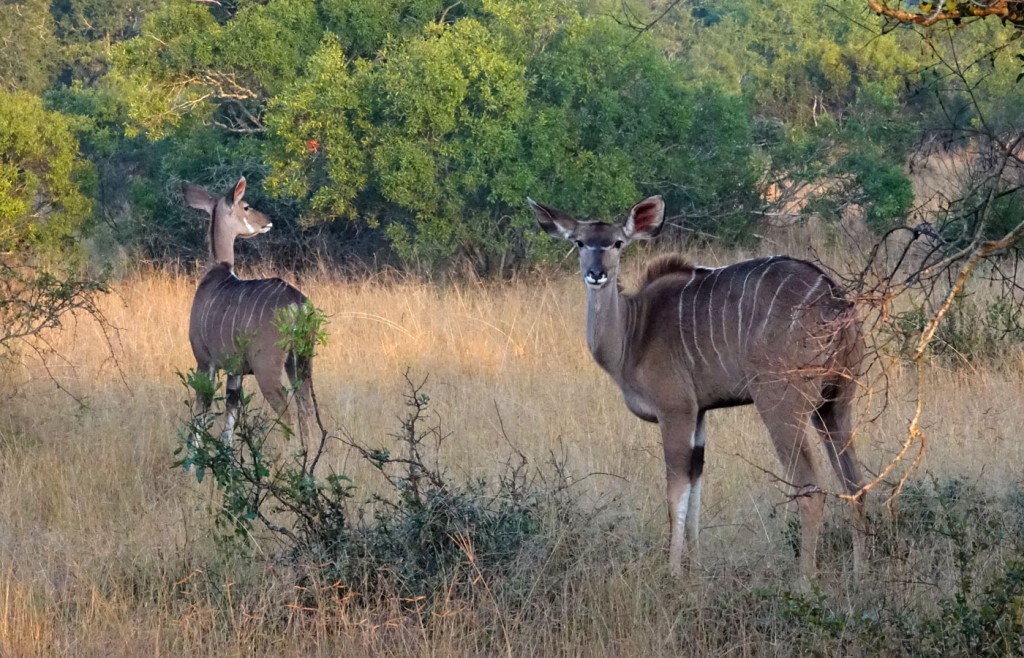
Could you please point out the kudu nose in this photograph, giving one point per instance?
(595, 277)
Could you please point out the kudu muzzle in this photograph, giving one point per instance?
(255, 224)
(595, 274)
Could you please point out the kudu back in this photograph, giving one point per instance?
(231, 325)
(773, 332)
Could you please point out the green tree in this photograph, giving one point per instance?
(441, 115)
(364, 26)
(27, 43)
(44, 204)
(614, 120)
(188, 67)
(436, 140)
(828, 97)
(440, 138)
(44, 182)
(85, 30)
(424, 124)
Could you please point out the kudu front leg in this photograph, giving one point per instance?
(696, 485)
(684, 462)
(204, 400)
(232, 404)
(300, 378)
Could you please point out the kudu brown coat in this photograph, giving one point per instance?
(231, 325)
(775, 332)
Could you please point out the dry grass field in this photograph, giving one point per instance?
(104, 547)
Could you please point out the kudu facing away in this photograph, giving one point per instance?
(774, 332)
(231, 326)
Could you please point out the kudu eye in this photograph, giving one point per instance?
(618, 244)
(578, 243)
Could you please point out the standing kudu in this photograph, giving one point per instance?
(231, 326)
(775, 332)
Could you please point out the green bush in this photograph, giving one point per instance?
(971, 329)
(427, 536)
(947, 535)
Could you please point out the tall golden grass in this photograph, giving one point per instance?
(103, 549)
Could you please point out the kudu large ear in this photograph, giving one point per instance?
(197, 197)
(555, 222)
(645, 219)
(236, 194)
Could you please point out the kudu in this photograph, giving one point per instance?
(775, 332)
(231, 326)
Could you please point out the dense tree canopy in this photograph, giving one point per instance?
(44, 183)
(412, 130)
(27, 42)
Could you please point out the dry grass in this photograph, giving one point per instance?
(102, 549)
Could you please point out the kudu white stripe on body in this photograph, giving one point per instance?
(711, 321)
(682, 339)
(693, 323)
(231, 325)
(795, 356)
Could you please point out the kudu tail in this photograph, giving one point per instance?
(834, 416)
(833, 420)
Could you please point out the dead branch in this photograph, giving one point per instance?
(1007, 10)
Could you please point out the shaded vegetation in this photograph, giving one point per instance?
(409, 132)
(427, 536)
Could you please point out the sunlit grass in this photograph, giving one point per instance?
(102, 543)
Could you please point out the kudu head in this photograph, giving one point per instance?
(601, 244)
(230, 217)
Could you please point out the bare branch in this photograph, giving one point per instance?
(1004, 9)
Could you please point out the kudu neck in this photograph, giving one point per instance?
(222, 242)
(606, 326)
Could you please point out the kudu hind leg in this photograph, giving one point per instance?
(277, 395)
(269, 379)
(833, 420)
(300, 375)
(783, 409)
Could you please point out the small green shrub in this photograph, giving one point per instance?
(427, 536)
(258, 481)
(945, 535)
(433, 533)
(969, 331)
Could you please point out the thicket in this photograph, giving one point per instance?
(427, 537)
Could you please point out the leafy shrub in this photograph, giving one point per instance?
(944, 533)
(34, 301)
(971, 330)
(427, 536)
